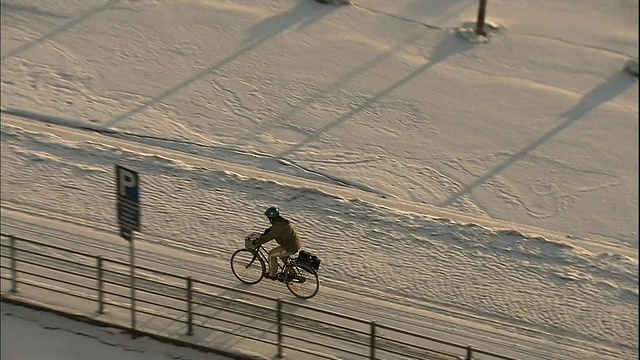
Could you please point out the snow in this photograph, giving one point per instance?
(39, 335)
(499, 177)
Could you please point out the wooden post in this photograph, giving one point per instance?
(482, 10)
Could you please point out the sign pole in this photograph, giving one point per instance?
(128, 208)
(133, 285)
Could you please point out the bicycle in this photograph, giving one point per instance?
(299, 273)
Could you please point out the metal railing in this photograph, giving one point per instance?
(197, 305)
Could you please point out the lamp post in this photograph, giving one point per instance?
(482, 10)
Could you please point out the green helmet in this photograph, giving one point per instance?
(272, 212)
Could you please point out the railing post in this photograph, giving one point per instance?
(14, 264)
(469, 353)
(189, 306)
(100, 287)
(280, 355)
(372, 346)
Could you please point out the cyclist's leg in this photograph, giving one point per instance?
(274, 254)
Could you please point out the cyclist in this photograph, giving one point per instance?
(284, 233)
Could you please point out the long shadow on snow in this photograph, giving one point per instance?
(449, 46)
(24, 47)
(303, 13)
(608, 90)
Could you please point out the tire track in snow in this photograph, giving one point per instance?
(241, 156)
(400, 204)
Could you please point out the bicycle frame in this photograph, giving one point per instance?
(264, 255)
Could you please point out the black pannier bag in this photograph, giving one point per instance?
(309, 259)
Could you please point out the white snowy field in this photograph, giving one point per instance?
(499, 179)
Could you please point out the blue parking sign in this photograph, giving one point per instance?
(128, 201)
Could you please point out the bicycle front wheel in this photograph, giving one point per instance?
(247, 266)
(301, 280)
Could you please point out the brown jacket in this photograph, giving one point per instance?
(284, 233)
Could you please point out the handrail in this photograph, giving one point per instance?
(152, 288)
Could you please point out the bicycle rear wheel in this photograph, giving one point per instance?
(247, 266)
(302, 280)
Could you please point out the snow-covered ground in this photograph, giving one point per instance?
(496, 179)
(35, 335)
